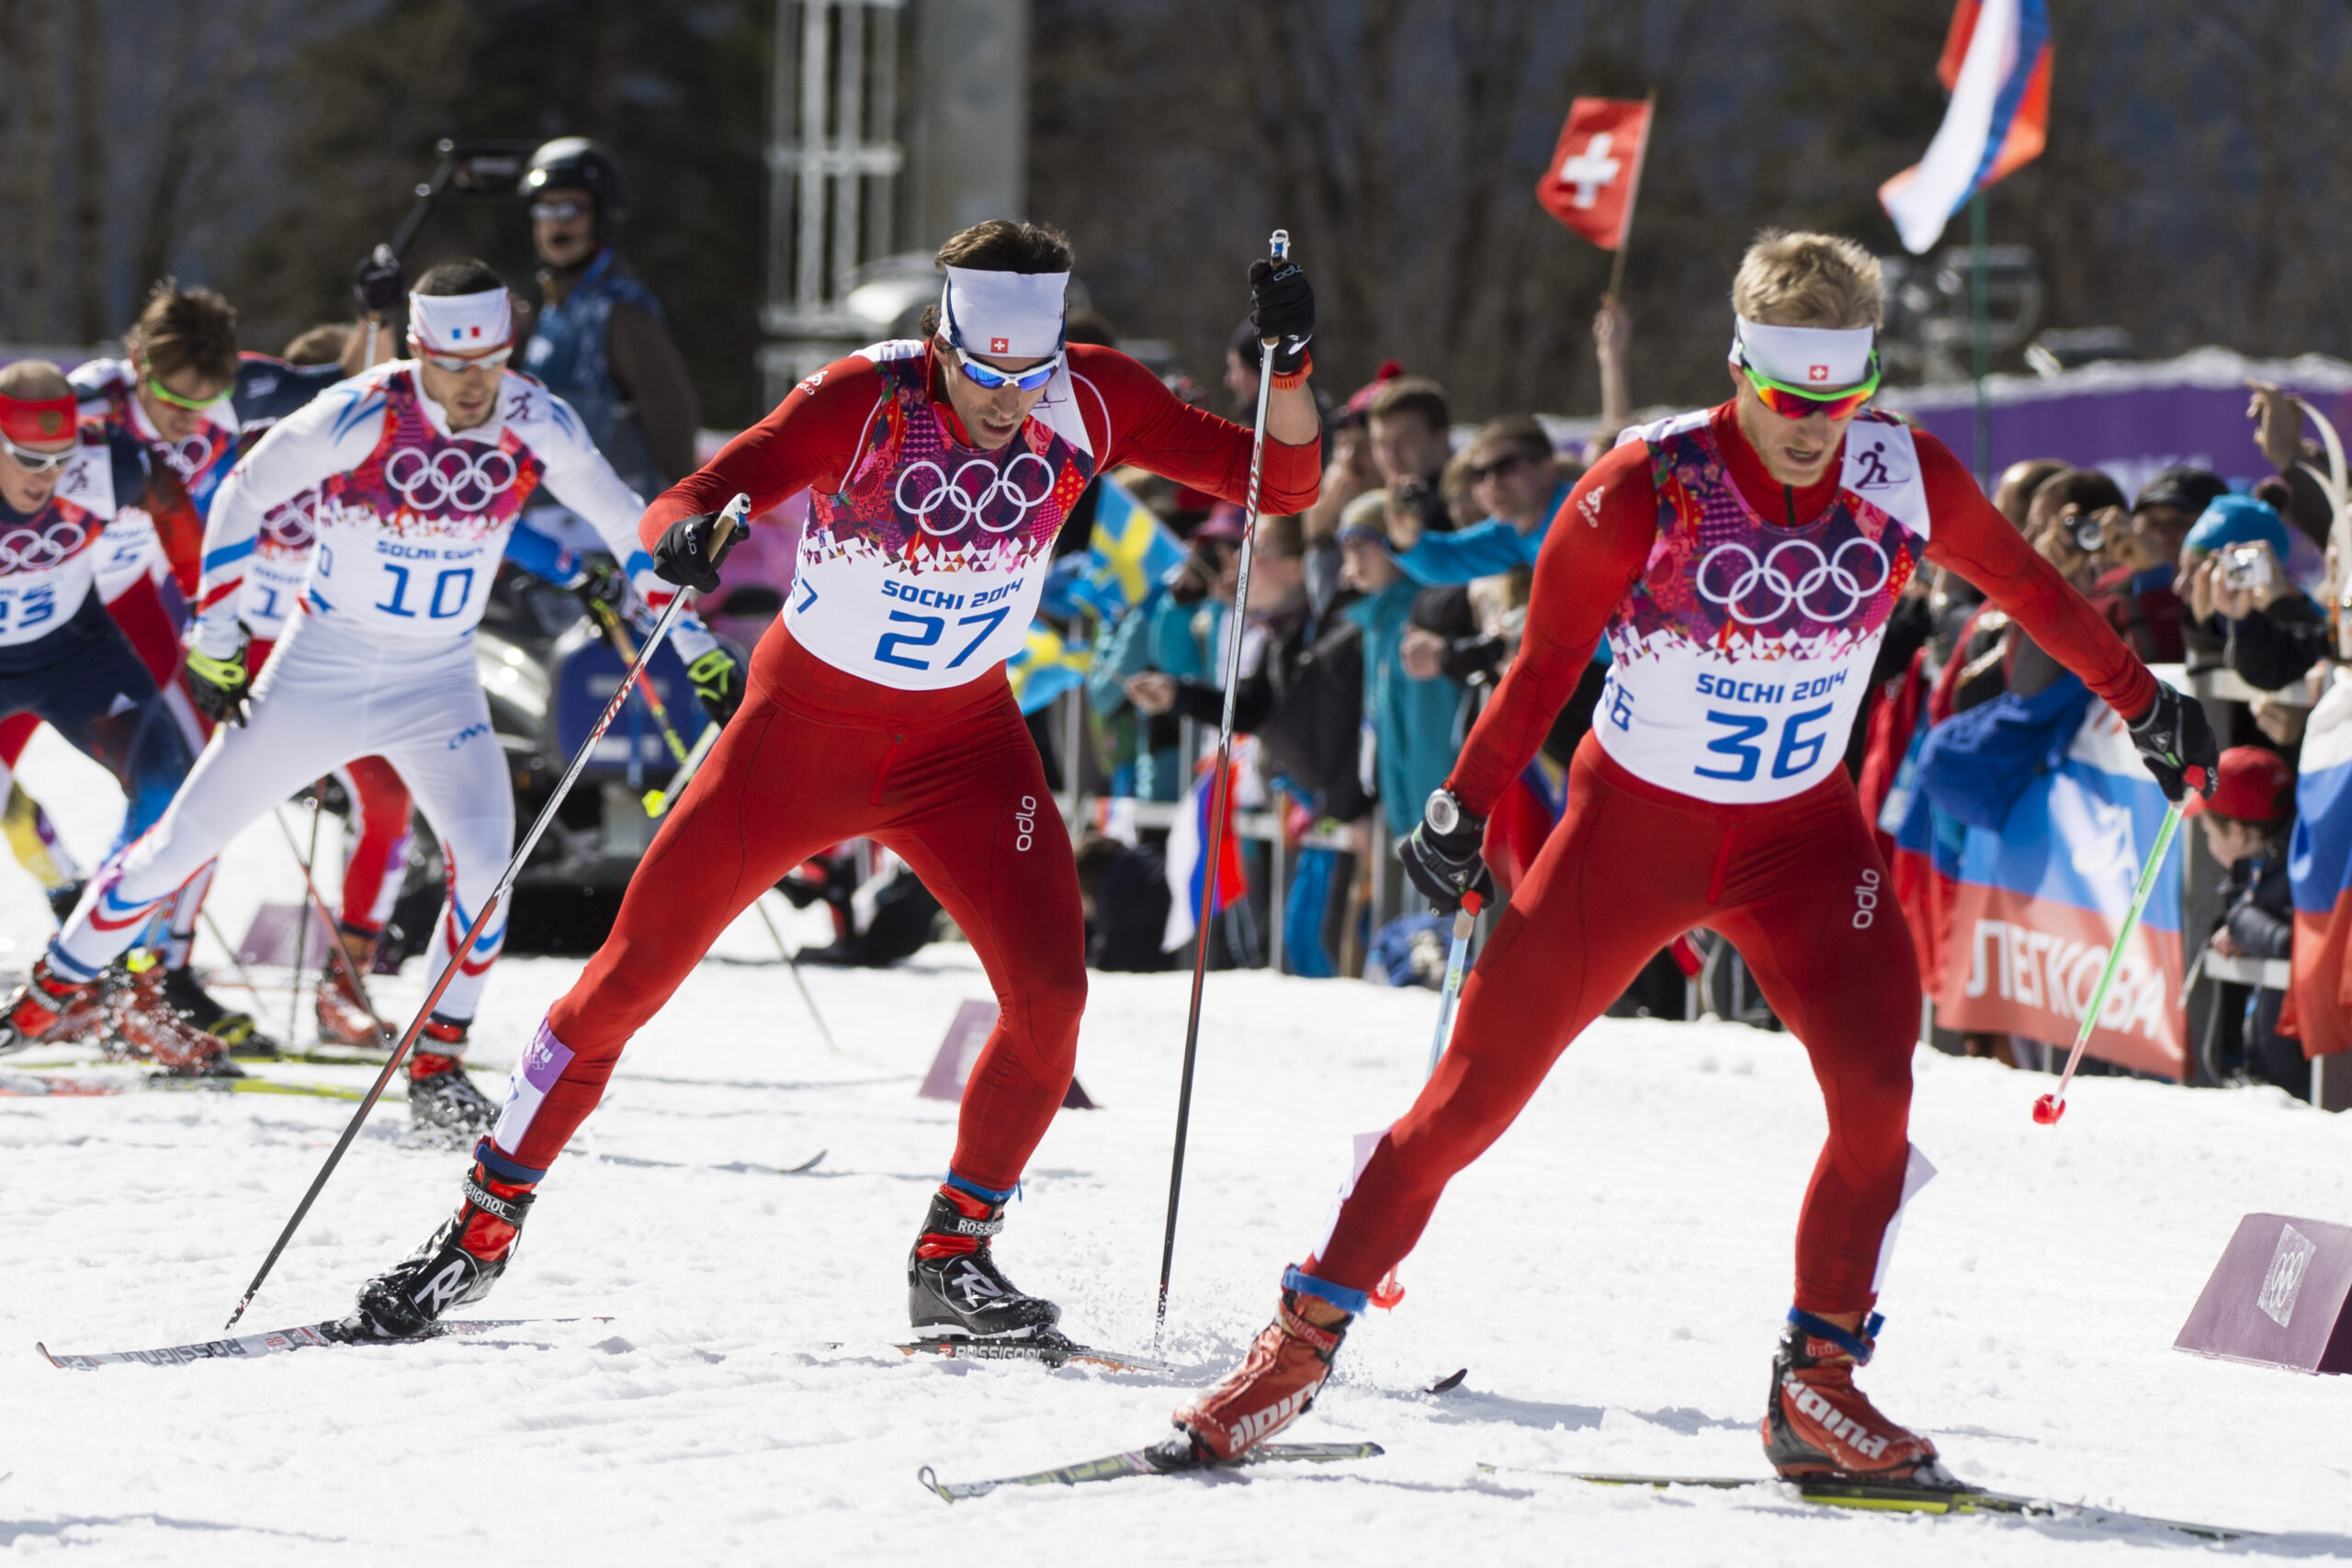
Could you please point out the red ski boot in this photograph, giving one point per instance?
(147, 1023)
(1274, 1384)
(32, 1011)
(1820, 1424)
(344, 1018)
(442, 1100)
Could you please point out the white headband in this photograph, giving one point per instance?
(1826, 358)
(1014, 315)
(460, 323)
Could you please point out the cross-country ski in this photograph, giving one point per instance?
(1883, 1497)
(1170, 1457)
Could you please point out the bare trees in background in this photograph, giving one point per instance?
(2194, 189)
(2193, 192)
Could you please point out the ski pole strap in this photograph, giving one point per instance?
(1306, 1284)
(1859, 1347)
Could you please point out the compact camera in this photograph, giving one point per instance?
(2245, 567)
(2086, 530)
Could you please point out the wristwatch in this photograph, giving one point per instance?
(1444, 813)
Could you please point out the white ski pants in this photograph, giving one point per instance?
(330, 695)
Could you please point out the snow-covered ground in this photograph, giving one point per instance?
(1612, 1275)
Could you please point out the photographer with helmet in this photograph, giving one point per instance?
(600, 342)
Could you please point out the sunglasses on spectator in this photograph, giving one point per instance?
(1802, 403)
(457, 363)
(557, 211)
(991, 378)
(1509, 461)
(34, 462)
(194, 405)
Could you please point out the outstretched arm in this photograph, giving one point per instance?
(330, 435)
(1977, 542)
(1596, 549)
(1141, 422)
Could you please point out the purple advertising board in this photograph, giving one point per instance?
(2130, 419)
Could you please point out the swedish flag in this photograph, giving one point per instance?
(1130, 551)
(1044, 668)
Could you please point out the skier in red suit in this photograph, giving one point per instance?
(940, 472)
(1742, 561)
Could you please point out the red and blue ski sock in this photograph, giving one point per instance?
(1300, 1283)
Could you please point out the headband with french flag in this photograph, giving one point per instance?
(460, 323)
(1995, 64)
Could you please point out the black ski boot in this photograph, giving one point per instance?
(441, 1098)
(181, 991)
(457, 1263)
(954, 1290)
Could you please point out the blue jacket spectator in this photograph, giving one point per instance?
(1414, 726)
(1515, 477)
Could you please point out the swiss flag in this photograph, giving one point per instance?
(1595, 169)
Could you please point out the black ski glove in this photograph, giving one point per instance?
(718, 682)
(218, 685)
(683, 556)
(602, 583)
(1443, 856)
(1282, 306)
(2174, 741)
(377, 283)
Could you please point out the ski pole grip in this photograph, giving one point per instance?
(1277, 249)
(734, 516)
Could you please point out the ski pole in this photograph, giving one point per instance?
(334, 938)
(728, 521)
(2049, 1107)
(302, 927)
(793, 964)
(1391, 1289)
(245, 978)
(624, 646)
(657, 801)
(1210, 863)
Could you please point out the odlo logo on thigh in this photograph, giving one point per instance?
(1025, 819)
(1866, 900)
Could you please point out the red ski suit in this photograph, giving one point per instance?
(947, 777)
(1795, 883)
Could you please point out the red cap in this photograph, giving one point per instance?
(2256, 786)
(1359, 403)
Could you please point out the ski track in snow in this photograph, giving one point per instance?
(1612, 1274)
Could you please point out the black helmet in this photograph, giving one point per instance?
(574, 162)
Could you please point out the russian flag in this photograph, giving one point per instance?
(2319, 863)
(1188, 843)
(2036, 905)
(1997, 66)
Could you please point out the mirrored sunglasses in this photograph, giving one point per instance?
(557, 211)
(988, 376)
(1801, 402)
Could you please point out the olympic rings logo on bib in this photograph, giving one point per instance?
(188, 454)
(1806, 590)
(451, 479)
(292, 525)
(37, 550)
(972, 510)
